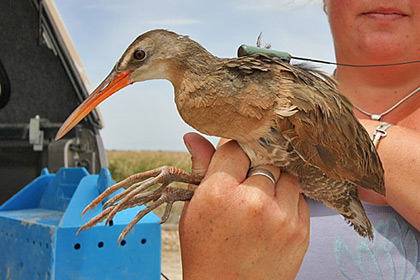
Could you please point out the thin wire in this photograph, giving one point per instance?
(164, 276)
(353, 65)
(367, 65)
(390, 109)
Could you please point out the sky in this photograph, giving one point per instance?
(143, 116)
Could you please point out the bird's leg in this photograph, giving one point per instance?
(137, 194)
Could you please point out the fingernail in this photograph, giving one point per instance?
(188, 146)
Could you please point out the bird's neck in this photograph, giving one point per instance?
(191, 72)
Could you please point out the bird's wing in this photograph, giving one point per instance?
(237, 79)
(312, 115)
(326, 134)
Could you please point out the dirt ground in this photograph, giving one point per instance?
(171, 253)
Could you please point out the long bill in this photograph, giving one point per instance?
(113, 83)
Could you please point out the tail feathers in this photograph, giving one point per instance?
(358, 219)
(341, 196)
(355, 215)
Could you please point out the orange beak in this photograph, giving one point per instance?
(113, 83)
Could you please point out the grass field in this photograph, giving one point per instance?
(125, 163)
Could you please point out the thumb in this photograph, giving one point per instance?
(201, 151)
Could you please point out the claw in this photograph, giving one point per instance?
(169, 196)
(137, 194)
(101, 197)
(137, 218)
(129, 195)
(165, 215)
(95, 220)
(118, 197)
(126, 182)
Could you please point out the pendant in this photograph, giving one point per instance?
(376, 117)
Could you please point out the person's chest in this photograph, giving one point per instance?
(412, 121)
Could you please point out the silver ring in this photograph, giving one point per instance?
(262, 171)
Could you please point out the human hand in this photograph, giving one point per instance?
(241, 228)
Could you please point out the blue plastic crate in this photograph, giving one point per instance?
(38, 233)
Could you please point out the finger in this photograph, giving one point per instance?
(201, 151)
(287, 191)
(264, 183)
(303, 209)
(230, 164)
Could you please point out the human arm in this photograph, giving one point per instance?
(400, 155)
(237, 227)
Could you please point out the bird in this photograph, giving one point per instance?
(282, 114)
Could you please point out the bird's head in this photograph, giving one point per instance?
(157, 54)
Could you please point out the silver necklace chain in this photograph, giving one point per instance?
(378, 117)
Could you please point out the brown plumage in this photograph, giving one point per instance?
(289, 116)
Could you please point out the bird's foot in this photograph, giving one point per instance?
(137, 194)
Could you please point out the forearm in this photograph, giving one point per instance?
(400, 156)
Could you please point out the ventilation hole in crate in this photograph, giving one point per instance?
(143, 241)
(111, 223)
(123, 242)
(46, 245)
(77, 246)
(100, 244)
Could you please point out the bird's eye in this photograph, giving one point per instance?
(139, 54)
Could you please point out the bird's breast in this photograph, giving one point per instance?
(225, 117)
